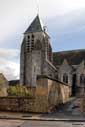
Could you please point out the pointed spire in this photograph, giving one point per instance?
(35, 26)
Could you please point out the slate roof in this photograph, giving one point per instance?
(35, 26)
(73, 57)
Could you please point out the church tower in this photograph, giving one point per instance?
(35, 49)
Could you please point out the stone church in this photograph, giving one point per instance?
(37, 58)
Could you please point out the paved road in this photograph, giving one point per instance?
(52, 124)
(21, 123)
(10, 123)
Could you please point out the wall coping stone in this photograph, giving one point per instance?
(47, 77)
(16, 97)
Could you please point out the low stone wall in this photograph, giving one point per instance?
(24, 104)
(41, 104)
(17, 104)
(48, 94)
(54, 92)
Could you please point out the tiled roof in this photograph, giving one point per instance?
(35, 26)
(73, 57)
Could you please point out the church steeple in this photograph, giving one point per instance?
(36, 49)
(35, 26)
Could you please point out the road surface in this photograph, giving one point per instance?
(21, 123)
(52, 124)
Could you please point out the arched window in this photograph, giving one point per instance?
(30, 43)
(82, 79)
(28, 37)
(65, 78)
(32, 36)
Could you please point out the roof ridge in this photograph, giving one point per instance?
(75, 50)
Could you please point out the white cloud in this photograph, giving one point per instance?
(15, 16)
(16, 13)
(59, 7)
(9, 68)
(8, 53)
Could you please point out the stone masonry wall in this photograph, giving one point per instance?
(48, 94)
(41, 95)
(3, 86)
(58, 93)
(65, 68)
(49, 69)
(16, 104)
(53, 92)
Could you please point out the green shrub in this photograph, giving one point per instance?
(19, 90)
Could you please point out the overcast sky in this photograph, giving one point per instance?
(65, 21)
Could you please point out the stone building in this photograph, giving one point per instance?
(52, 77)
(36, 54)
(71, 69)
(3, 86)
(37, 58)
